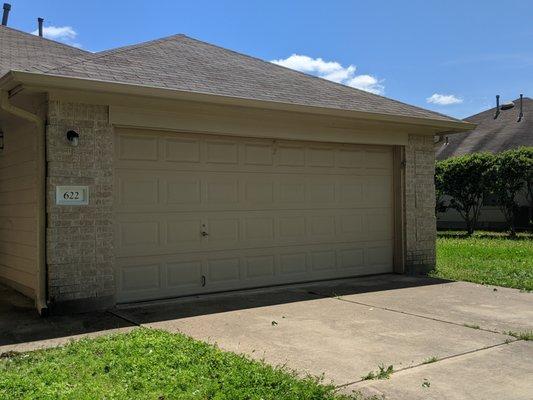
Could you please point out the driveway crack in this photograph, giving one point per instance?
(406, 313)
(423, 364)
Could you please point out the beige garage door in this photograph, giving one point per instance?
(203, 213)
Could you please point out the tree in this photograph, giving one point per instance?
(512, 173)
(466, 179)
(440, 204)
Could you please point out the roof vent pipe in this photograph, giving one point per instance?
(497, 106)
(521, 115)
(40, 23)
(5, 15)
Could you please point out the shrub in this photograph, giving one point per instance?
(466, 179)
(511, 172)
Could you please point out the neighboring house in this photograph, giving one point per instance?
(175, 167)
(506, 131)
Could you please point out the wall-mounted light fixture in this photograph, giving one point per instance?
(73, 138)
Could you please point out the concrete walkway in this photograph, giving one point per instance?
(344, 329)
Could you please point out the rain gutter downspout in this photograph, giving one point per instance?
(40, 294)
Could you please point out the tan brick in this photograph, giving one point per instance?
(80, 253)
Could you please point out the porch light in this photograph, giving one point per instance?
(73, 138)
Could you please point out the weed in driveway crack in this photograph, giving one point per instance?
(431, 360)
(382, 373)
(473, 326)
(526, 335)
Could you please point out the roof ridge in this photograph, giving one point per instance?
(104, 53)
(44, 38)
(318, 77)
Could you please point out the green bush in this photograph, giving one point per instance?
(468, 179)
(510, 174)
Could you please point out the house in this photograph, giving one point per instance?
(175, 167)
(507, 131)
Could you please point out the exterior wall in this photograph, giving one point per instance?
(18, 206)
(420, 222)
(490, 217)
(80, 253)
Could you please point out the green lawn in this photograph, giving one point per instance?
(150, 364)
(486, 257)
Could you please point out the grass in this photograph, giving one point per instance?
(151, 364)
(526, 335)
(486, 257)
(382, 373)
(473, 326)
(431, 360)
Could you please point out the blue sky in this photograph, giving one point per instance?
(446, 55)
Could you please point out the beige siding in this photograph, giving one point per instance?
(18, 207)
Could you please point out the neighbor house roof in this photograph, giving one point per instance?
(181, 63)
(492, 134)
(26, 52)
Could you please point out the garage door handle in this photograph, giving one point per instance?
(204, 234)
(203, 280)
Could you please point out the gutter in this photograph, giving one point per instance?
(48, 81)
(40, 293)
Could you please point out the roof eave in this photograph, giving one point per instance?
(48, 81)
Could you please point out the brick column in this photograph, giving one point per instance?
(420, 218)
(80, 254)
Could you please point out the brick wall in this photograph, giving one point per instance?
(420, 218)
(80, 238)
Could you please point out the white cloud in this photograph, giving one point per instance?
(333, 71)
(444, 99)
(65, 34)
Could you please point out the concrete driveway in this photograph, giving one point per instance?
(343, 329)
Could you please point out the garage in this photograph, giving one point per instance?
(176, 167)
(198, 213)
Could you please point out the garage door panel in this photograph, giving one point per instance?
(272, 212)
(323, 260)
(138, 189)
(379, 255)
(138, 278)
(261, 266)
(350, 258)
(221, 152)
(184, 274)
(291, 227)
(258, 154)
(183, 191)
(293, 263)
(258, 191)
(139, 234)
(321, 157)
(223, 231)
(290, 156)
(234, 269)
(226, 269)
(157, 191)
(167, 233)
(137, 148)
(182, 150)
(184, 233)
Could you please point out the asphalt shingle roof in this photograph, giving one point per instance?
(181, 63)
(492, 135)
(26, 52)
